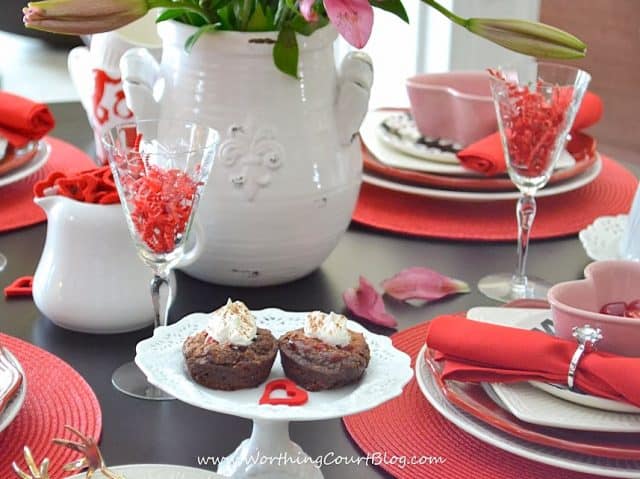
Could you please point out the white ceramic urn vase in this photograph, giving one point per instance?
(288, 169)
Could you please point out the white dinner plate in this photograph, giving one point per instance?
(502, 440)
(38, 161)
(574, 183)
(14, 406)
(563, 392)
(155, 471)
(532, 405)
(601, 239)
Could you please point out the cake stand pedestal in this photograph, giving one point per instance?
(269, 453)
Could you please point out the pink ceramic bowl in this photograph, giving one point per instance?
(455, 105)
(576, 303)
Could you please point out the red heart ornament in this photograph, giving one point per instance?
(20, 287)
(295, 395)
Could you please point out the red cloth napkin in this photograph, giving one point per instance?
(481, 352)
(486, 155)
(22, 120)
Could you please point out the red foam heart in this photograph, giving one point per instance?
(295, 395)
(20, 287)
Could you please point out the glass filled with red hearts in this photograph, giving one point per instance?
(536, 104)
(160, 168)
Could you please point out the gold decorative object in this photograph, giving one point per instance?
(41, 472)
(92, 459)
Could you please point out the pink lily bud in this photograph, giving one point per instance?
(80, 17)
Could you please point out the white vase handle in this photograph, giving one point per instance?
(140, 72)
(195, 247)
(354, 88)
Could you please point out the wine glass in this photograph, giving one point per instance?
(536, 104)
(160, 168)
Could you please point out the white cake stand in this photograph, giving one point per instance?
(269, 452)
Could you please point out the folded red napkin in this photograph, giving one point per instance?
(486, 155)
(22, 120)
(481, 352)
(90, 186)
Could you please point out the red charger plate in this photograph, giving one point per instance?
(472, 399)
(582, 147)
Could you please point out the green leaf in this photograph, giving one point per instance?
(258, 21)
(303, 27)
(393, 6)
(201, 31)
(170, 14)
(285, 52)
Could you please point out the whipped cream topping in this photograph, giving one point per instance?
(329, 328)
(233, 324)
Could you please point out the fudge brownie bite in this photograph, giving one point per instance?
(324, 354)
(231, 353)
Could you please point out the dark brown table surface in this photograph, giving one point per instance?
(137, 431)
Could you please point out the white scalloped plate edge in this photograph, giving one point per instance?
(155, 471)
(388, 372)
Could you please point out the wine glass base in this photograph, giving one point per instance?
(129, 380)
(3, 261)
(499, 287)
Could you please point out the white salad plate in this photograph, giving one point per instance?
(601, 239)
(154, 471)
(543, 454)
(38, 161)
(574, 183)
(13, 407)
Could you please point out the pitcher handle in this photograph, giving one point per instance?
(354, 88)
(197, 247)
(140, 72)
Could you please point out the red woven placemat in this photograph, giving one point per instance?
(408, 426)
(17, 208)
(561, 215)
(56, 395)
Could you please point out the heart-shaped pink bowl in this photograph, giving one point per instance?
(576, 303)
(455, 106)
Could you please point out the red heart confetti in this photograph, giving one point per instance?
(91, 186)
(295, 395)
(20, 287)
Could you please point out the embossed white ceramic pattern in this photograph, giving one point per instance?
(89, 277)
(546, 455)
(161, 359)
(14, 406)
(155, 471)
(601, 239)
(291, 168)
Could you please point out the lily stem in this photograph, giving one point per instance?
(447, 13)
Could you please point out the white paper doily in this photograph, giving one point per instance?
(601, 239)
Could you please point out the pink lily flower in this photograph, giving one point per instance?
(365, 302)
(352, 18)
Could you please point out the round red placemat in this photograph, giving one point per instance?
(56, 395)
(408, 426)
(561, 215)
(17, 208)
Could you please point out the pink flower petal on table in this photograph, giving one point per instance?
(422, 283)
(352, 18)
(366, 303)
(306, 9)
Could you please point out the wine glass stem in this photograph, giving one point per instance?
(526, 212)
(161, 297)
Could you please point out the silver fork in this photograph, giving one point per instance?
(4, 143)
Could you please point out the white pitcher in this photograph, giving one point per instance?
(288, 170)
(89, 277)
